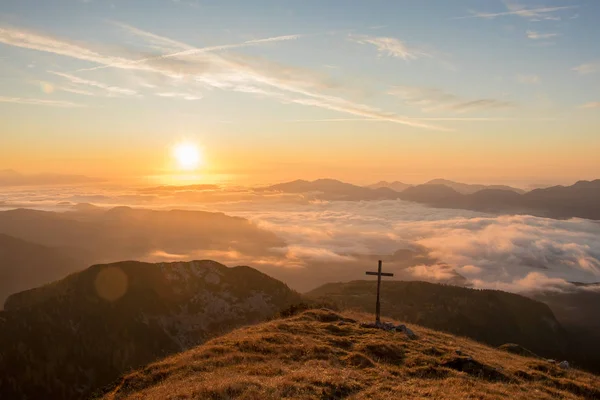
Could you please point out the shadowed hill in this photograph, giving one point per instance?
(24, 265)
(579, 313)
(489, 316)
(65, 339)
(320, 354)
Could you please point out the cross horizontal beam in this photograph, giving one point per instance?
(379, 273)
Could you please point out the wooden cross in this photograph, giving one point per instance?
(379, 275)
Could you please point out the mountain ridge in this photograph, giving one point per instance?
(559, 202)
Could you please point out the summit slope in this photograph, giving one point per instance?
(320, 354)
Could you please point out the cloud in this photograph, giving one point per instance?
(454, 119)
(185, 96)
(39, 102)
(391, 47)
(593, 104)
(206, 69)
(337, 241)
(184, 50)
(430, 99)
(492, 250)
(435, 273)
(589, 68)
(529, 79)
(111, 90)
(536, 35)
(532, 282)
(516, 9)
(30, 40)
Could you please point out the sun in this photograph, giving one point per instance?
(188, 156)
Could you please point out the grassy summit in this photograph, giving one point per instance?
(320, 354)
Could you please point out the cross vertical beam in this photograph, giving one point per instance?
(378, 304)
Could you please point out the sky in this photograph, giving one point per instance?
(477, 91)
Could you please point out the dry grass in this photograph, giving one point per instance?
(320, 354)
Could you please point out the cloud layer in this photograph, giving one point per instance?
(338, 241)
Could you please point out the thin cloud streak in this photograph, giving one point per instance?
(34, 41)
(39, 102)
(112, 90)
(457, 119)
(536, 35)
(594, 104)
(431, 99)
(520, 11)
(188, 50)
(391, 47)
(588, 68)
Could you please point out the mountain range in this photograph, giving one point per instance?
(68, 338)
(578, 200)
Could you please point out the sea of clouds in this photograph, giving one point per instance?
(338, 240)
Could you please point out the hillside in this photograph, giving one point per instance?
(65, 339)
(489, 316)
(320, 354)
(24, 265)
(578, 200)
(579, 313)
